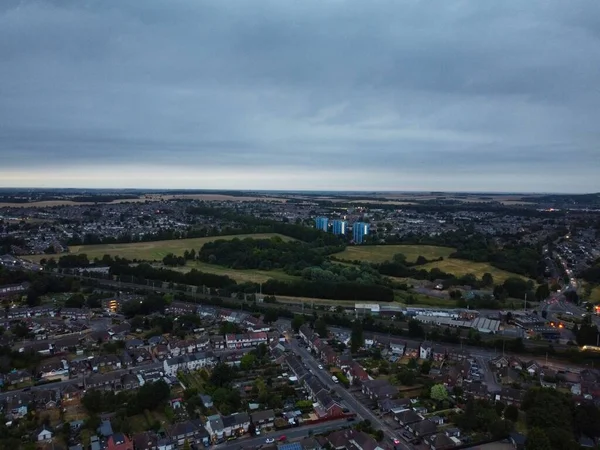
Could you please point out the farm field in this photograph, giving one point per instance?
(460, 267)
(246, 275)
(381, 253)
(151, 251)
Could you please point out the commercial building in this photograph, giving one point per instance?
(359, 231)
(339, 227)
(321, 223)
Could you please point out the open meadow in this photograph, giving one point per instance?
(381, 253)
(460, 267)
(152, 251)
(239, 275)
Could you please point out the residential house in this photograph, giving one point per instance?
(314, 386)
(438, 353)
(515, 363)
(188, 362)
(355, 373)
(130, 381)
(107, 381)
(215, 427)
(67, 344)
(218, 342)
(329, 356)
(160, 351)
(70, 392)
(130, 344)
(306, 333)
(76, 313)
(456, 354)
(126, 359)
(477, 390)
(390, 405)
(18, 377)
(263, 418)
(422, 428)
(45, 398)
(236, 424)
(296, 367)
(17, 405)
(156, 340)
(397, 348)
(140, 356)
(182, 347)
(190, 430)
(509, 375)
(363, 441)
(245, 340)
(329, 407)
(412, 350)
(44, 435)
(119, 441)
(499, 362)
(146, 440)
(54, 370)
(439, 441)
(105, 428)
(407, 416)
(379, 389)
(511, 396)
(425, 350)
(532, 367)
(105, 362)
(118, 332)
(206, 400)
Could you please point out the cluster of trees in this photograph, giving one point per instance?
(143, 272)
(485, 417)
(173, 261)
(150, 396)
(151, 303)
(250, 224)
(592, 274)
(331, 290)
(587, 332)
(363, 274)
(73, 261)
(555, 421)
(265, 254)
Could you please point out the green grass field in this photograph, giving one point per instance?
(381, 253)
(250, 275)
(151, 251)
(595, 295)
(459, 267)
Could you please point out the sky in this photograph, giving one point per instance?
(403, 95)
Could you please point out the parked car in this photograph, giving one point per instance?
(269, 441)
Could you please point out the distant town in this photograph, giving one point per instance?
(153, 320)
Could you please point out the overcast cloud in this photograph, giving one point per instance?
(284, 94)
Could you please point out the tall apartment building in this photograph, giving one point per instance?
(339, 227)
(321, 223)
(359, 231)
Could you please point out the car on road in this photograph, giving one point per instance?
(321, 366)
(282, 438)
(269, 441)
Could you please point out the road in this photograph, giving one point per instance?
(290, 434)
(349, 399)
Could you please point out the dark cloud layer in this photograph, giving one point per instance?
(461, 95)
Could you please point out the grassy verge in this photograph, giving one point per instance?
(381, 253)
